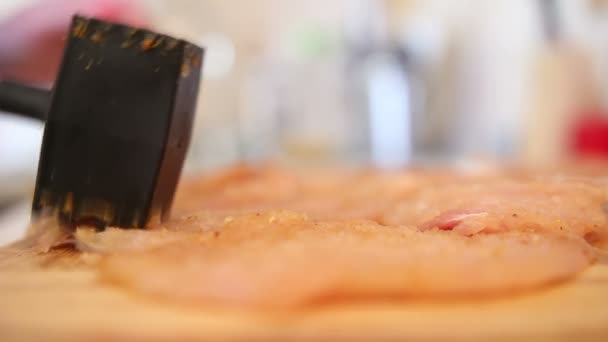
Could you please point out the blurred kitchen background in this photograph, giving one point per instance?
(375, 82)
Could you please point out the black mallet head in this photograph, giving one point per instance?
(118, 127)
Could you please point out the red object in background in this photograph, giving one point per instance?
(590, 135)
(32, 40)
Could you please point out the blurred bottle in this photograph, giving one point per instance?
(564, 90)
(379, 89)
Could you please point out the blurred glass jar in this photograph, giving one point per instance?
(293, 105)
(327, 96)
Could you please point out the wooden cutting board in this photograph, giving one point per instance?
(58, 297)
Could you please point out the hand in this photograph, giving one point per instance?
(31, 42)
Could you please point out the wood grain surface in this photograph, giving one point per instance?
(57, 296)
